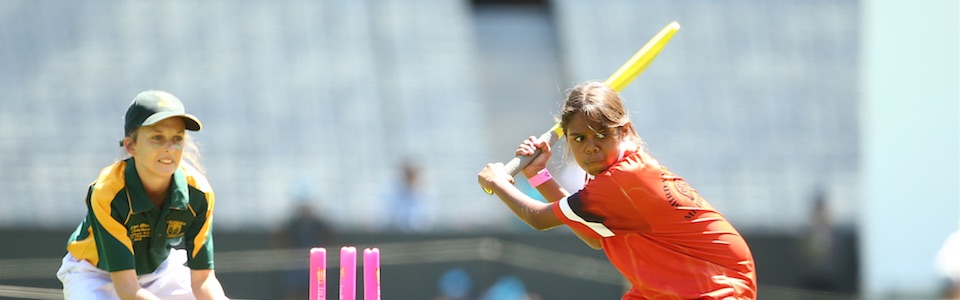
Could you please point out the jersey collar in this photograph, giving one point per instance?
(139, 202)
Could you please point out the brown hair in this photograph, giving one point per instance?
(601, 105)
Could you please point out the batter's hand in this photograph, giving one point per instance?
(492, 175)
(527, 148)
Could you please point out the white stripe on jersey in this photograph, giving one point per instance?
(599, 228)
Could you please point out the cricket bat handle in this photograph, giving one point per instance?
(521, 161)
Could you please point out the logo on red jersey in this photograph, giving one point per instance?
(673, 186)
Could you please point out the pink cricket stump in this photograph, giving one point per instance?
(318, 274)
(371, 274)
(348, 273)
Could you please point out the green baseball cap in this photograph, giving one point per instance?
(150, 107)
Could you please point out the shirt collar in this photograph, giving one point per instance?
(139, 202)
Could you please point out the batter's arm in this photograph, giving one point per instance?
(538, 215)
(553, 192)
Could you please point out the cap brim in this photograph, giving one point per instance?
(191, 122)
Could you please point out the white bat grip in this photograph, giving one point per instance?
(521, 161)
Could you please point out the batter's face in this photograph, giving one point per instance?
(595, 148)
(158, 148)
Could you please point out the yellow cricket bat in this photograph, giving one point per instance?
(619, 80)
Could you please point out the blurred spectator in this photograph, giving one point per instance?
(454, 284)
(948, 266)
(304, 230)
(406, 201)
(820, 248)
(509, 288)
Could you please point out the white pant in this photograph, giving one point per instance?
(82, 280)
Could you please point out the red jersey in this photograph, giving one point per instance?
(660, 234)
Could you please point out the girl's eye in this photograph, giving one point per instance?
(178, 139)
(600, 135)
(157, 138)
(578, 138)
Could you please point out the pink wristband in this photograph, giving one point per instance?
(540, 178)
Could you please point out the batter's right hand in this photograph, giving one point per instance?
(528, 147)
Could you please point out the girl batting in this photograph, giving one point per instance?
(655, 229)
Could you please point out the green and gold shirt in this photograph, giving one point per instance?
(124, 230)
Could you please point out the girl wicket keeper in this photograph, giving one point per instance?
(147, 233)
